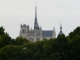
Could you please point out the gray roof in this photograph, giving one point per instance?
(47, 33)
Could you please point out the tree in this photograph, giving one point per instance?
(12, 52)
(21, 41)
(61, 47)
(74, 33)
(2, 31)
(5, 40)
(75, 48)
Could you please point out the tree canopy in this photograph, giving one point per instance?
(61, 48)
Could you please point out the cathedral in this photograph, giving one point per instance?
(37, 33)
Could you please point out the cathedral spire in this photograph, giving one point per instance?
(35, 22)
(35, 12)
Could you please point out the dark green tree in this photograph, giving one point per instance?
(5, 40)
(61, 47)
(74, 48)
(11, 52)
(74, 33)
(2, 31)
(21, 41)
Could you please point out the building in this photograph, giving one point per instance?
(37, 33)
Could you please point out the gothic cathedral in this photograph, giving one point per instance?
(37, 33)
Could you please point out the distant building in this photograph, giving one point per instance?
(37, 33)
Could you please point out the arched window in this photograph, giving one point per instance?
(23, 30)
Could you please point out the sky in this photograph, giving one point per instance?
(50, 13)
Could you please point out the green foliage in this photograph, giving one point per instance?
(12, 52)
(75, 32)
(61, 39)
(60, 48)
(2, 31)
(21, 41)
(75, 47)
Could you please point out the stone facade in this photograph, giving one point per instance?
(36, 35)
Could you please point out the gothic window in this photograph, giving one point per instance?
(24, 30)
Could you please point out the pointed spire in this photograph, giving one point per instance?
(36, 11)
(36, 23)
(60, 29)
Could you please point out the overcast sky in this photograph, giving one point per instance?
(50, 14)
